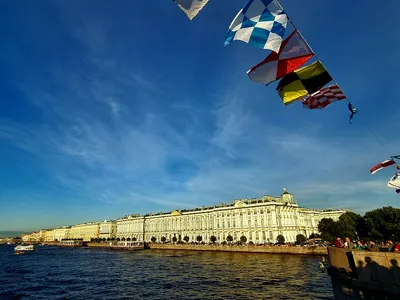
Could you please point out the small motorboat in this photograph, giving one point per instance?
(22, 248)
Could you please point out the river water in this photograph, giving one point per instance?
(83, 273)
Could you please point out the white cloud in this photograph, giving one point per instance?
(110, 128)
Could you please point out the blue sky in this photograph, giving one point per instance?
(109, 108)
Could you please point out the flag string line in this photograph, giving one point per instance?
(336, 83)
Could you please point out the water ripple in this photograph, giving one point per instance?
(57, 273)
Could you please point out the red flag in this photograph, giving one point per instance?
(293, 53)
(324, 97)
(380, 166)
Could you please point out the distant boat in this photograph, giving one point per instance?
(22, 248)
(127, 246)
(72, 243)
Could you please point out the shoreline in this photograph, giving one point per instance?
(244, 248)
(293, 250)
(313, 250)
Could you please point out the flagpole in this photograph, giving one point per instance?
(333, 79)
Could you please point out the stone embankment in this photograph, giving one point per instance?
(99, 245)
(248, 249)
(228, 248)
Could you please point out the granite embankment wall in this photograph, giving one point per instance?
(249, 249)
(228, 248)
(99, 245)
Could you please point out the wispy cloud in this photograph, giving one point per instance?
(115, 125)
(240, 156)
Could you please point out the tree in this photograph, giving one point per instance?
(301, 239)
(328, 229)
(199, 238)
(229, 238)
(314, 236)
(243, 239)
(281, 239)
(186, 239)
(213, 239)
(153, 239)
(174, 239)
(163, 239)
(383, 223)
(350, 225)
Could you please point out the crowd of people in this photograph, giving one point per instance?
(388, 246)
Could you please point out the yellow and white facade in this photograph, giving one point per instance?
(61, 233)
(130, 228)
(33, 237)
(108, 230)
(46, 235)
(259, 220)
(85, 231)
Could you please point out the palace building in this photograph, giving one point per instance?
(252, 220)
(258, 220)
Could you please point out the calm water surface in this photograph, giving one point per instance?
(60, 273)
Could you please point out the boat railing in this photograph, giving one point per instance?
(364, 272)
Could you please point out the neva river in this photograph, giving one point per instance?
(81, 273)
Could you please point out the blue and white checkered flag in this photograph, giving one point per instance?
(261, 23)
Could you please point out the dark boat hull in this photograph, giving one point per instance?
(357, 275)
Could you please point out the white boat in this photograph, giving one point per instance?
(71, 243)
(126, 245)
(24, 248)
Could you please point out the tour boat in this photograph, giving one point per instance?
(24, 248)
(71, 243)
(123, 245)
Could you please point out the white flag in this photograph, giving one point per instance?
(191, 7)
(394, 182)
